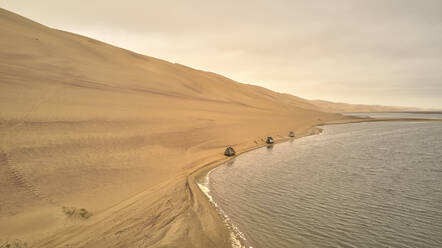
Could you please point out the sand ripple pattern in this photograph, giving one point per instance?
(355, 185)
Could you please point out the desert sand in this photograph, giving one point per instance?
(84, 124)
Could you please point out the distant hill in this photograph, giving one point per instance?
(345, 107)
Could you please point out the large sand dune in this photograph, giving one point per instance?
(88, 125)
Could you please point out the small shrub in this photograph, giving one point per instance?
(74, 212)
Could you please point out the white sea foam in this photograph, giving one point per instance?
(235, 234)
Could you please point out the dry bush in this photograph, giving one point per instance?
(74, 212)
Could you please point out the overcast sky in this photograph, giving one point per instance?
(372, 52)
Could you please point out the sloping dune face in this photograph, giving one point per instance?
(87, 125)
(327, 106)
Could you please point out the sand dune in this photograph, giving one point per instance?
(84, 124)
(346, 108)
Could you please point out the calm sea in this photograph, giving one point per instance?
(354, 185)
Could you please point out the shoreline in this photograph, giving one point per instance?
(202, 171)
(205, 169)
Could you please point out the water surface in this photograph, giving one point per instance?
(354, 185)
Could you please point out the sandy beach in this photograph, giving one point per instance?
(100, 146)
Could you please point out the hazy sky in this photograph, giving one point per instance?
(374, 52)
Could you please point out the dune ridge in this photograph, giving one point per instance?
(87, 125)
(338, 107)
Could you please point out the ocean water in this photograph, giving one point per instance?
(354, 185)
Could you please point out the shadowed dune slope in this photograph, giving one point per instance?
(88, 125)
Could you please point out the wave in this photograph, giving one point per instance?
(237, 238)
